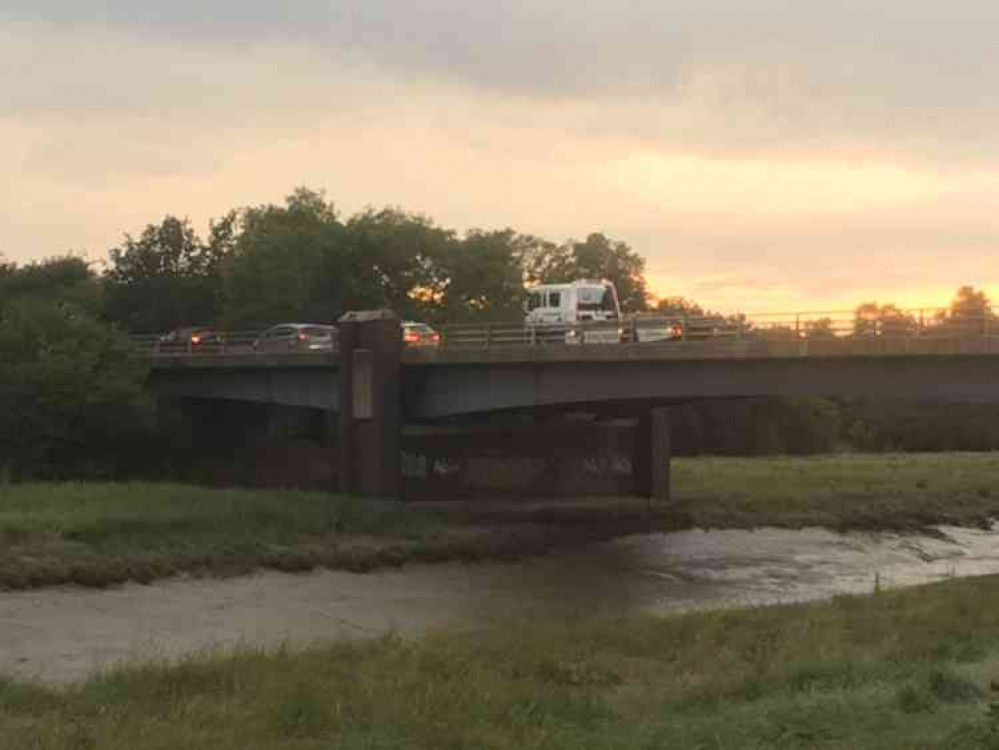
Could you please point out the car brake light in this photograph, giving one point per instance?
(435, 337)
(411, 338)
(195, 339)
(303, 337)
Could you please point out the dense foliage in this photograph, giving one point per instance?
(304, 261)
(72, 398)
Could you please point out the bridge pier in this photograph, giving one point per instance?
(650, 462)
(370, 404)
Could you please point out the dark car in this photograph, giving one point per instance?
(297, 337)
(191, 339)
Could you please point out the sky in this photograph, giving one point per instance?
(763, 155)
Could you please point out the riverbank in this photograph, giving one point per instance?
(842, 492)
(901, 669)
(102, 534)
(856, 492)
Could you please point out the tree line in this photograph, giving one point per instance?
(73, 402)
(304, 261)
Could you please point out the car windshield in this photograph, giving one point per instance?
(597, 298)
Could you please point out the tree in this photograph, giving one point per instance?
(820, 328)
(301, 261)
(870, 320)
(896, 323)
(294, 263)
(65, 279)
(223, 236)
(865, 320)
(544, 262)
(72, 401)
(970, 313)
(404, 252)
(757, 426)
(678, 306)
(482, 278)
(166, 277)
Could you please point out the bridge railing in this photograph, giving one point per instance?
(662, 328)
(643, 328)
(227, 342)
(521, 334)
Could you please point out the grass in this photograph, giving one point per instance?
(844, 492)
(102, 534)
(897, 492)
(904, 669)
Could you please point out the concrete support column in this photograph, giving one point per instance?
(650, 462)
(370, 404)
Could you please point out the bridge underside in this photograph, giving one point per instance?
(435, 391)
(375, 383)
(315, 388)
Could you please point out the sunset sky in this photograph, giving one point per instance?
(764, 155)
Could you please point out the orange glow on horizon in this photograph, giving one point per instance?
(786, 298)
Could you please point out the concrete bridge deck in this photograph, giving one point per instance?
(439, 383)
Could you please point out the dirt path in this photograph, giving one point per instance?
(67, 633)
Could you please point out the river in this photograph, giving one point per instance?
(64, 634)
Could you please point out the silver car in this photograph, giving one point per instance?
(297, 337)
(419, 334)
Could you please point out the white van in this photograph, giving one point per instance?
(579, 312)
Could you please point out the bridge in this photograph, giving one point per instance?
(373, 385)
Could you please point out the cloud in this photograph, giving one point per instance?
(729, 75)
(753, 150)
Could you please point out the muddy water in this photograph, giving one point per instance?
(65, 634)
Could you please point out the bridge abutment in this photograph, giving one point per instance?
(651, 456)
(370, 423)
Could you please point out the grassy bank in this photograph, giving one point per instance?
(907, 669)
(853, 491)
(846, 492)
(101, 534)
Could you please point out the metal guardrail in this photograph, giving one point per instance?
(646, 328)
(643, 328)
(513, 334)
(222, 342)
